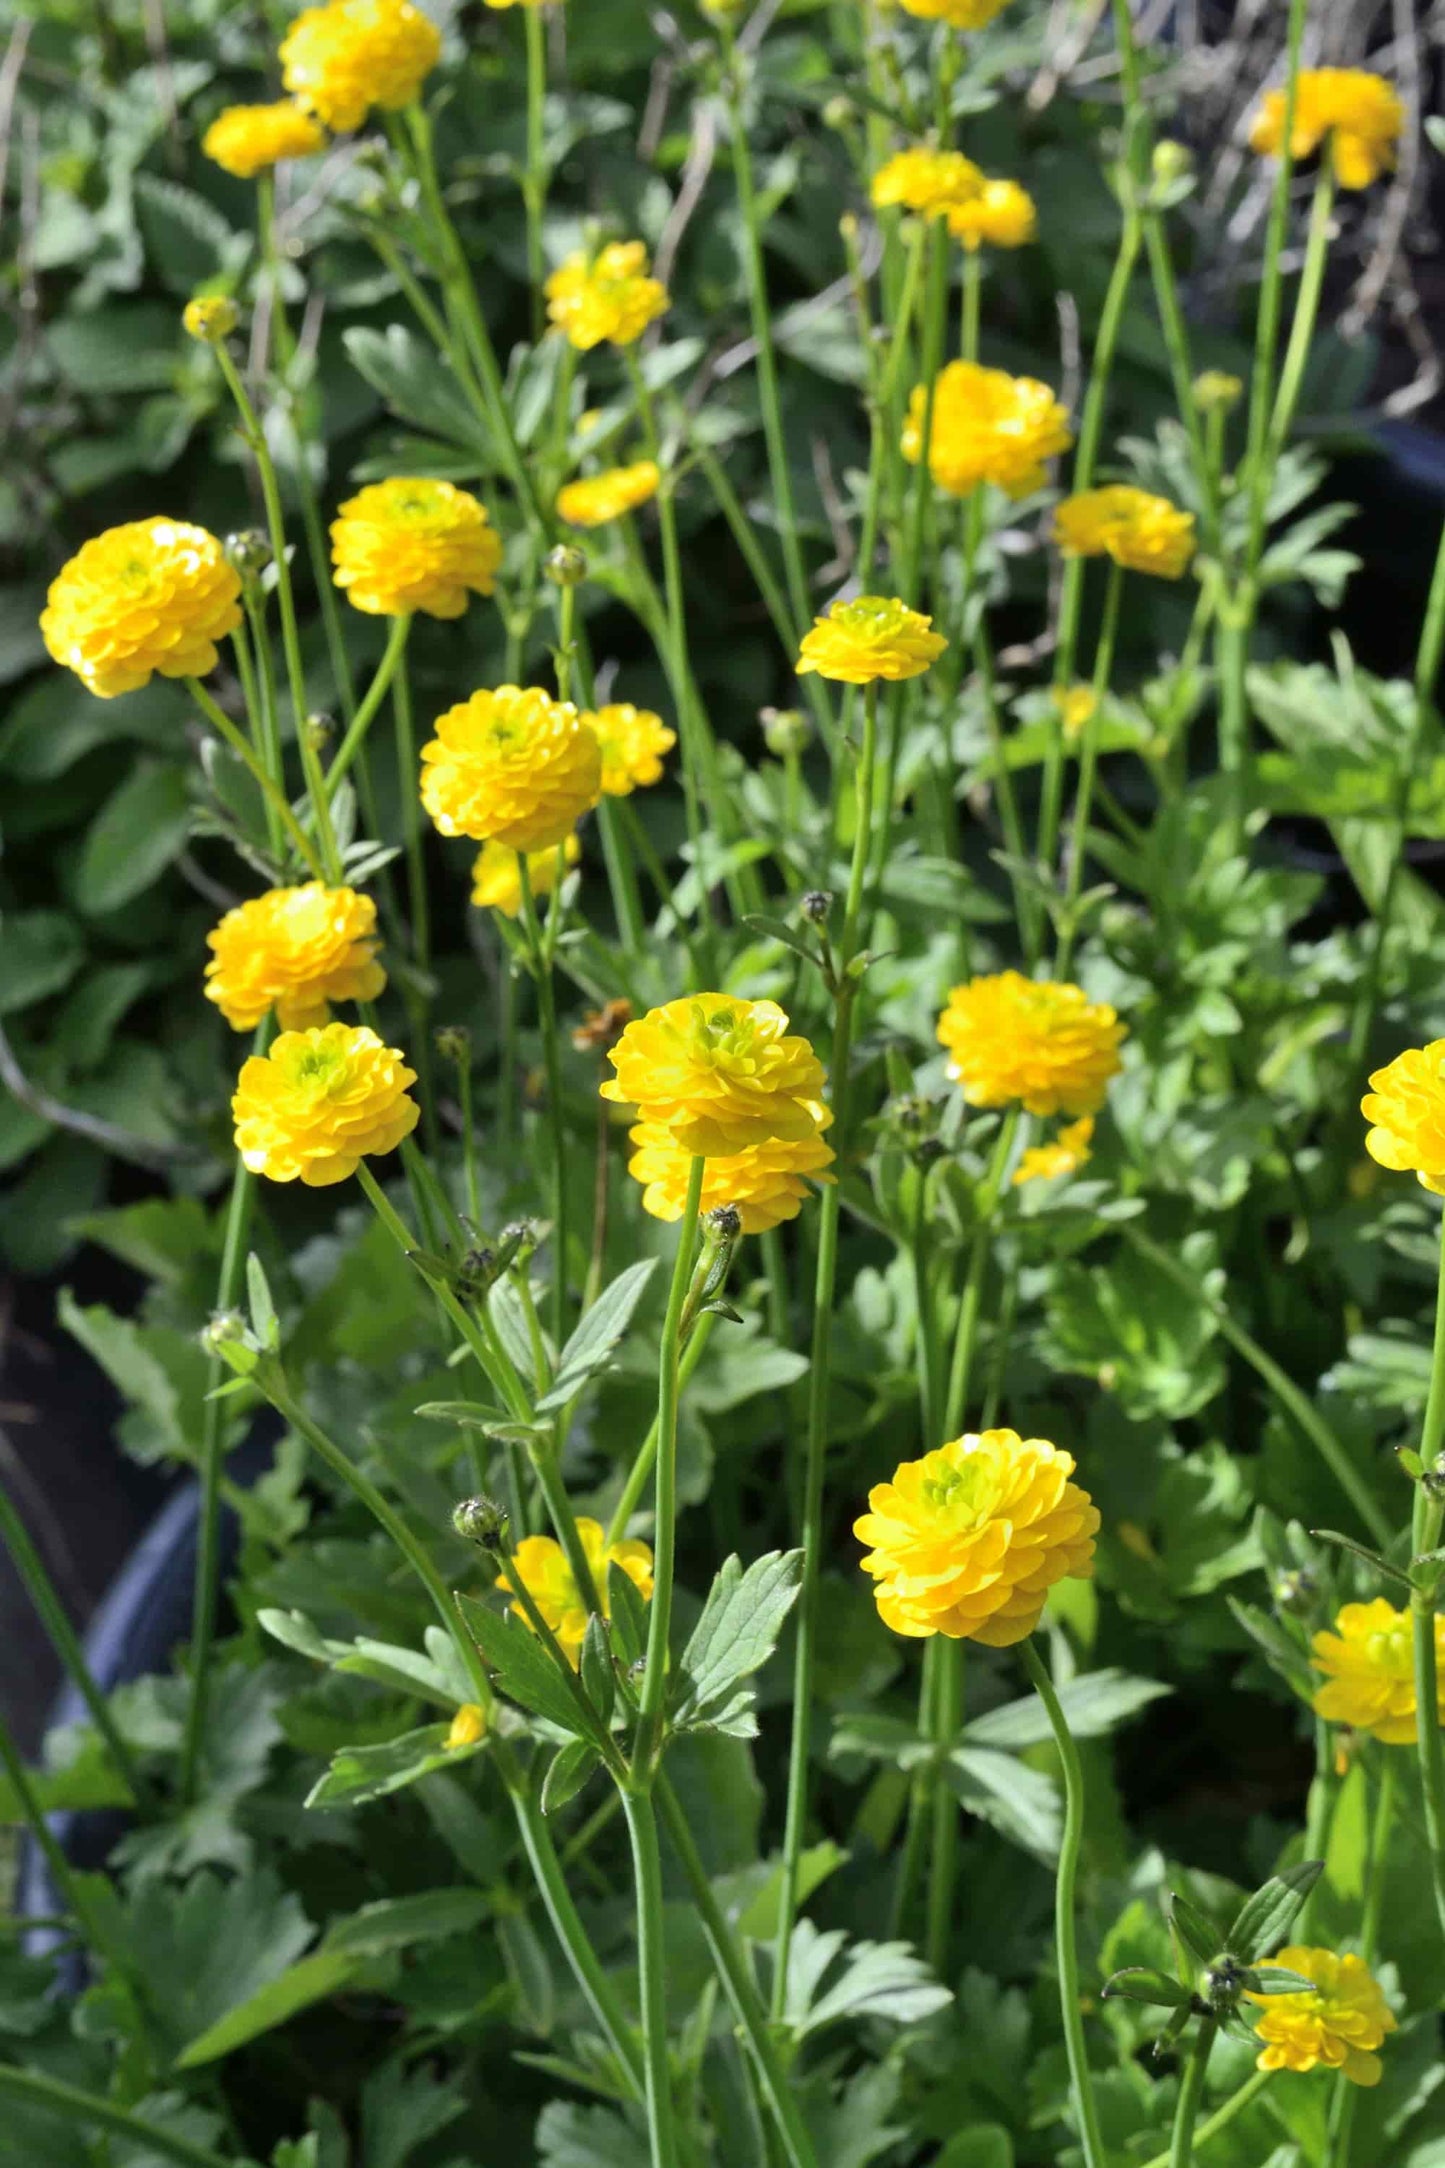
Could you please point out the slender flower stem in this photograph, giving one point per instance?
(208, 1521)
(652, 1969)
(470, 1163)
(1088, 769)
(35, 2090)
(371, 700)
(768, 397)
(748, 2006)
(960, 1371)
(621, 879)
(41, 1590)
(1343, 2094)
(1429, 1515)
(972, 297)
(1223, 2116)
(241, 746)
(1292, 1401)
(552, 1060)
(1191, 2090)
(91, 1920)
(642, 1466)
(1065, 1940)
(258, 694)
(406, 777)
(1302, 330)
(935, 332)
(947, 1717)
(659, 1623)
(534, 178)
(825, 1280)
(1086, 459)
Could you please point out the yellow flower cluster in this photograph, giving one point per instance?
(719, 1074)
(1036, 1043)
(155, 595)
(250, 139)
(1360, 113)
(958, 14)
(987, 426)
(969, 1540)
(606, 297)
(294, 950)
(413, 543)
(1369, 1665)
(930, 182)
(1002, 215)
(766, 1184)
(320, 1102)
(542, 1568)
(1336, 2027)
(597, 498)
(497, 878)
(342, 59)
(1406, 1104)
(633, 741)
(1065, 1155)
(871, 637)
(1141, 532)
(512, 766)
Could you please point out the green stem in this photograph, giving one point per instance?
(534, 180)
(1343, 2094)
(652, 1968)
(208, 1522)
(1088, 768)
(943, 1853)
(1429, 1514)
(241, 746)
(1086, 459)
(621, 879)
(642, 1466)
(972, 298)
(552, 1061)
(1066, 1947)
(66, 1642)
(470, 1164)
(1223, 2116)
(1291, 1400)
(748, 2006)
(91, 1919)
(1191, 2091)
(38, 2091)
(966, 1331)
(406, 775)
(654, 1685)
(371, 700)
(825, 1281)
(257, 692)
(1302, 330)
(768, 397)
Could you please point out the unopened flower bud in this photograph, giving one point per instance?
(1171, 161)
(786, 731)
(476, 1270)
(210, 318)
(226, 1329)
(1222, 1985)
(469, 1726)
(319, 731)
(816, 905)
(249, 551)
(1216, 391)
(724, 1223)
(838, 112)
(454, 1043)
(566, 565)
(481, 1520)
(1295, 1590)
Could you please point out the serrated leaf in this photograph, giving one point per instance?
(877, 1979)
(1265, 1919)
(360, 1773)
(1021, 1803)
(735, 1636)
(567, 1772)
(591, 1345)
(522, 1668)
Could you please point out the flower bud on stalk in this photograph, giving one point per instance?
(453, 1042)
(786, 731)
(566, 565)
(210, 318)
(482, 1521)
